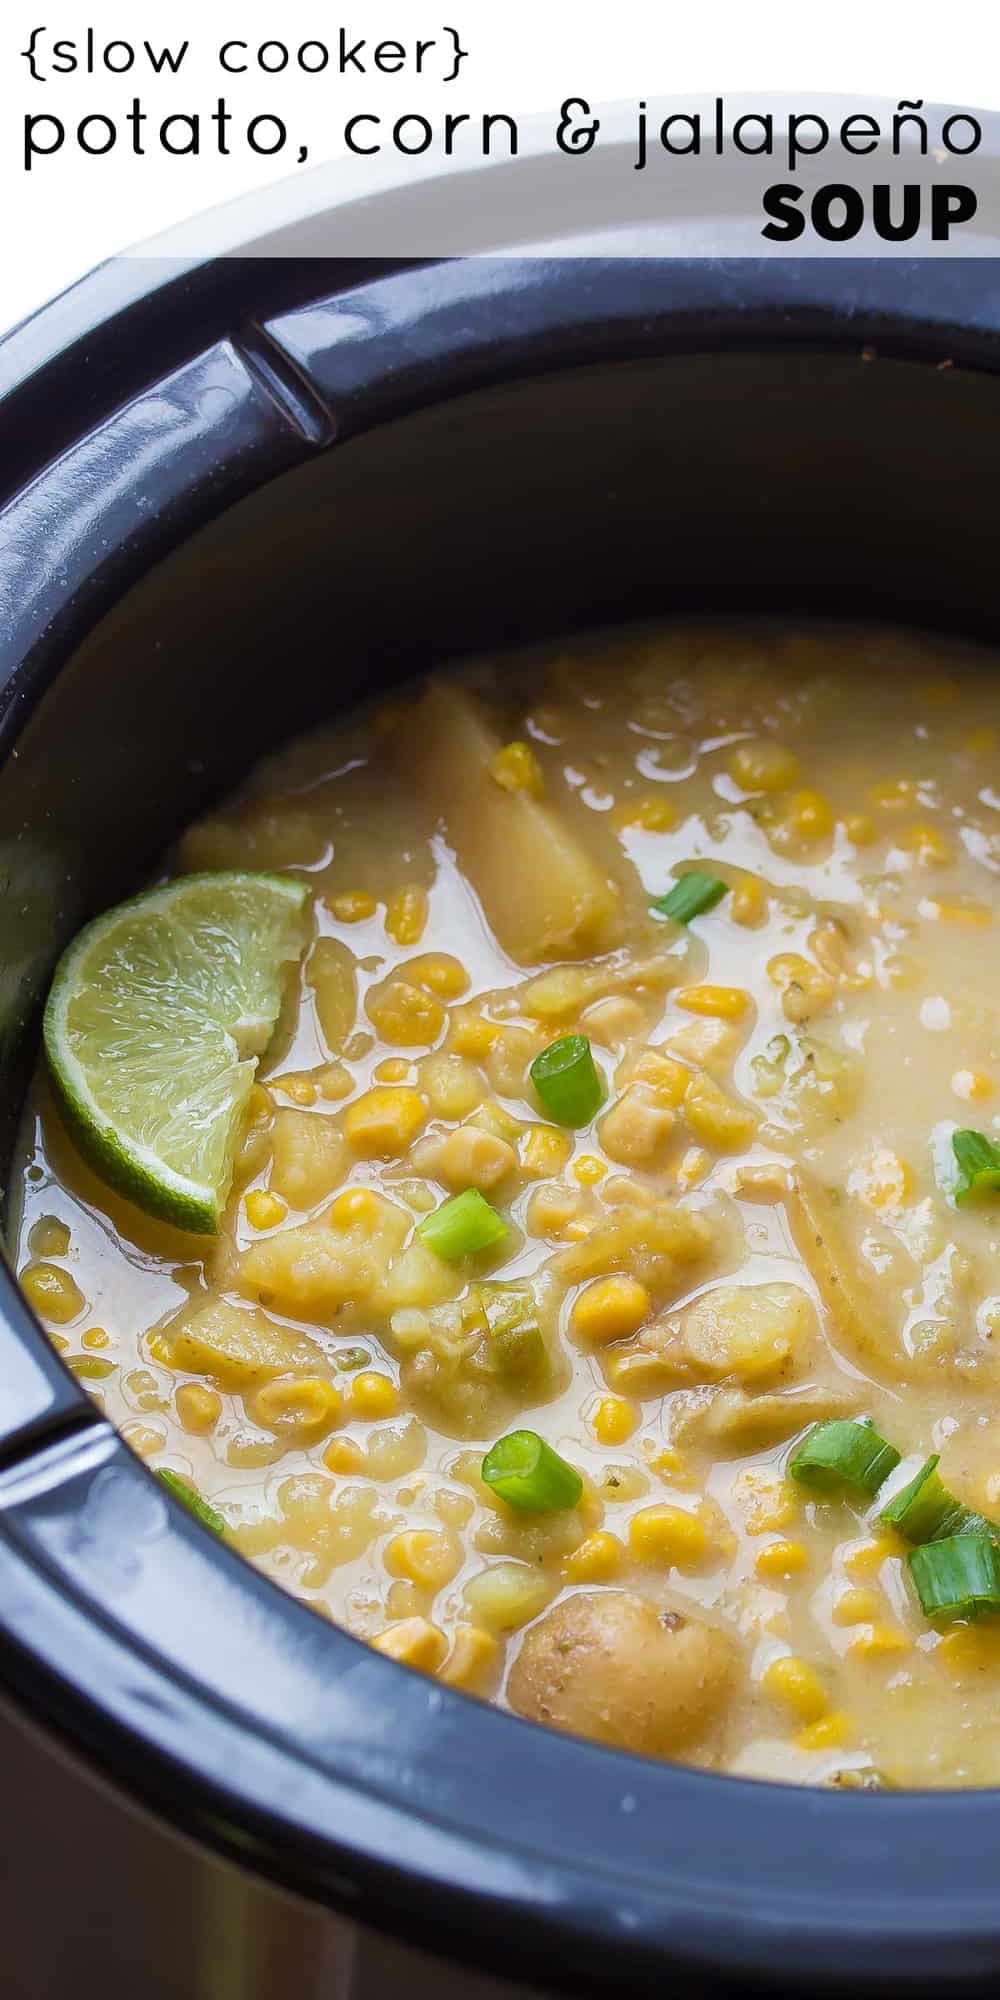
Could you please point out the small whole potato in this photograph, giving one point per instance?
(608, 1665)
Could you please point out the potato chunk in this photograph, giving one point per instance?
(331, 971)
(656, 1245)
(235, 1347)
(308, 1156)
(750, 1331)
(315, 1270)
(637, 1129)
(608, 1665)
(543, 895)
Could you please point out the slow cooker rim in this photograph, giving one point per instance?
(772, 1929)
(932, 1939)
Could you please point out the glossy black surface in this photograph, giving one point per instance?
(204, 570)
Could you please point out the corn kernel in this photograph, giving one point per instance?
(473, 1655)
(860, 830)
(472, 1035)
(300, 1407)
(668, 1080)
(515, 768)
(144, 1439)
(438, 973)
(720, 1003)
(596, 1560)
(427, 1557)
(395, 1069)
(972, 1085)
(875, 1642)
(248, 1452)
(809, 816)
(95, 1338)
(856, 1607)
(415, 1643)
(405, 1015)
(373, 1396)
(53, 1294)
(551, 1210)
(455, 1509)
(588, 1170)
(781, 1559)
(865, 1559)
(805, 989)
(797, 1686)
(344, 1456)
(298, 1089)
(717, 1119)
(667, 1537)
(555, 995)
(357, 1205)
(545, 1152)
(88, 1368)
(748, 902)
(650, 814)
(353, 907)
(613, 1420)
(406, 915)
(928, 843)
(384, 1123)
(610, 1309)
(762, 766)
(980, 742)
(264, 1209)
(473, 1157)
(893, 794)
(49, 1237)
(831, 1732)
(334, 1081)
(198, 1407)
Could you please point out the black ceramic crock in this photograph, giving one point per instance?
(234, 497)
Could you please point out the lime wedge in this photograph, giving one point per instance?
(158, 1014)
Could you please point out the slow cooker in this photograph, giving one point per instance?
(238, 492)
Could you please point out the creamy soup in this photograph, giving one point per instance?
(756, 1232)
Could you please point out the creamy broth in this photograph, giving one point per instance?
(751, 1235)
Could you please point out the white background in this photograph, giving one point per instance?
(526, 55)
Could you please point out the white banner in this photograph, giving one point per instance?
(119, 123)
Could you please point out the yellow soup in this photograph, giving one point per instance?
(756, 1233)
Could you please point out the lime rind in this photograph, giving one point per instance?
(158, 1013)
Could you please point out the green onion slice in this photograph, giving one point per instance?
(691, 896)
(958, 1577)
(924, 1510)
(978, 1165)
(568, 1081)
(525, 1471)
(844, 1453)
(192, 1500)
(462, 1226)
(514, 1337)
